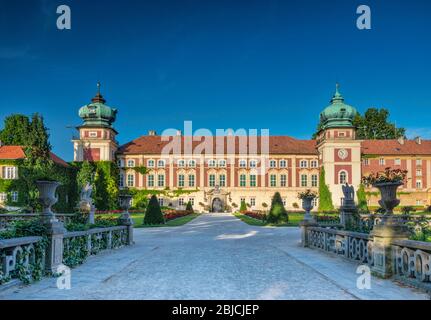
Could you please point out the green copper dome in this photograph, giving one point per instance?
(337, 114)
(97, 113)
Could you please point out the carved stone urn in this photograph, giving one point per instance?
(307, 205)
(47, 197)
(388, 201)
(125, 203)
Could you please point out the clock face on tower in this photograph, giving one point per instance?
(343, 154)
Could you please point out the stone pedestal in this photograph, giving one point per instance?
(383, 257)
(125, 218)
(305, 224)
(348, 214)
(54, 250)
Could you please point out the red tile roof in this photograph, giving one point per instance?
(17, 152)
(277, 145)
(393, 147)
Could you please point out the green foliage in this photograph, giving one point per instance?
(153, 214)
(140, 169)
(362, 198)
(85, 175)
(407, 209)
(374, 124)
(325, 196)
(16, 130)
(243, 206)
(277, 213)
(189, 207)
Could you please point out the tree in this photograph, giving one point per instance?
(277, 213)
(153, 214)
(362, 198)
(38, 140)
(325, 196)
(243, 206)
(16, 130)
(189, 207)
(100, 191)
(85, 175)
(374, 124)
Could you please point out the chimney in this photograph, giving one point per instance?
(418, 140)
(152, 132)
(401, 140)
(179, 133)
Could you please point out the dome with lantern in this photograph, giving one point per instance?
(97, 113)
(338, 113)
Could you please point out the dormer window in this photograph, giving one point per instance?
(130, 163)
(92, 134)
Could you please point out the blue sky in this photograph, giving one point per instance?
(222, 64)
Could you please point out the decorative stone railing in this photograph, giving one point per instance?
(78, 245)
(6, 219)
(351, 245)
(22, 259)
(413, 262)
(368, 221)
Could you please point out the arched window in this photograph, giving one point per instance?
(211, 163)
(222, 163)
(161, 163)
(192, 163)
(273, 164)
(181, 163)
(130, 163)
(150, 163)
(283, 163)
(343, 177)
(303, 164)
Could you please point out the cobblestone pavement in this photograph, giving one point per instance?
(215, 256)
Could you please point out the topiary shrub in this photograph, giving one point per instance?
(243, 207)
(153, 214)
(325, 196)
(277, 213)
(189, 207)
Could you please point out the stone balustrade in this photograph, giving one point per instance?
(351, 245)
(368, 221)
(78, 245)
(413, 262)
(21, 258)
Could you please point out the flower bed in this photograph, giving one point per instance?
(255, 215)
(119, 211)
(174, 214)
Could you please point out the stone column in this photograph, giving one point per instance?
(304, 225)
(125, 218)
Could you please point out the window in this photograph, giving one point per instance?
(92, 134)
(382, 161)
(419, 172)
(161, 202)
(342, 179)
(418, 184)
(283, 180)
(181, 163)
(313, 163)
(273, 164)
(211, 163)
(191, 180)
(283, 163)
(253, 163)
(252, 202)
(242, 163)
(222, 180)
(212, 179)
(130, 180)
(241, 200)
(192, 163)
(303, 164)
(150, 163)
(242, 180)
(418, 202)
(161, 180)
(192, 201)
(3, 197)
(161, 163)
(273, 180)
(14, 196)
(366, 162)
(121, 180)
(252, 180)
(397, 161)
(418, 162)
(284, 201)
(180, 180)
(304, 181)
(130, 163)
(315, 202)
(150, 182)
(222, 163)
(181, 202)
(314, 180)
(9, 173)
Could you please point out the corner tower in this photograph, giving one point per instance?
(339, 151)
(97, 136)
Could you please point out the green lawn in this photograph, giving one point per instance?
(138, 219)
(294, 219)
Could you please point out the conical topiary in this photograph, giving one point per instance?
(153, 214)
(189, 207)
(277, 213)
(243, 207)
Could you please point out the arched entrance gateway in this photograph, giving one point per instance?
(217, 205)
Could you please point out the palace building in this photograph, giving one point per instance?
(217, 173)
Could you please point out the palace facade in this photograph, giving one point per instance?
(217, 173)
